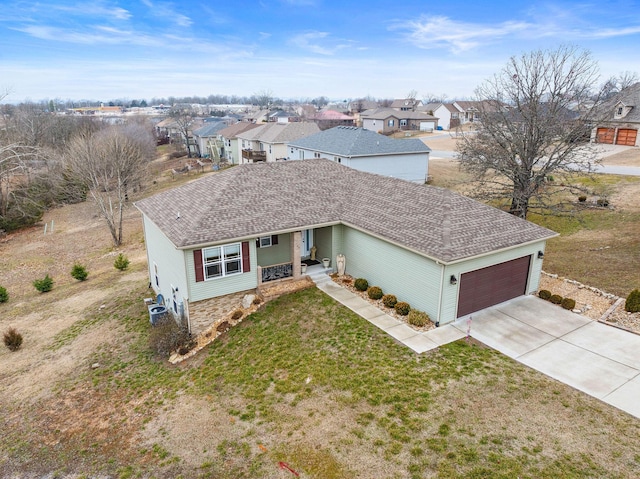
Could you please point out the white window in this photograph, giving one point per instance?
(222, 261)
(391, 123)
(265, 241)
(403, 122)
(619, 112)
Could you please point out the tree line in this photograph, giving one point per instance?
(48, 160)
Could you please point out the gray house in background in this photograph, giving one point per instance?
(231, 231)
(366, 150)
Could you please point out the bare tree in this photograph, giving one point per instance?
(264, 99)
(529, 129)
(111, 163)
(185, 118)
(616, 84)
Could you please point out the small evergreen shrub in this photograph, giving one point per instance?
(361, 284)
(568, 303)
(544, 294)
(43, 285)
(632, 304)
(79, 272)
(550, 178)
(602, 202)
(389, 300)
(237, 314)
(582, 198)
(12, 339)
(402, 308)
(121, 262)
(418, 318)
(555, 299)
(4, 296)
(167, 336)
(375, 292)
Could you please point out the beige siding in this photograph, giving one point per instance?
(450, 292)
(411, 277)
(221, 286)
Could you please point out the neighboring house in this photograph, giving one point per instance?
(282, 116)
(387, 120)
(206, 139)
(447, 113)
(366, 150)
(269, 141)
(330, 118)
(406, 104)
(621, 119)
(256, 116)
(232, 231)
(232, 150)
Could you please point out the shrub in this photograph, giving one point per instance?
(418, 318)
(402, 308)
(43, 285)
(237, 314)
(256, 300)
(361, 284)
(4, 296)
(555, 299)
(389, 300)
(121, 262)
(568, 303)
(79, 272)
(375, 292)
(632, 304)
(582, 198)
(602, 202)
(550, 178)
(12, 339)
(167, 336)
(544, 294)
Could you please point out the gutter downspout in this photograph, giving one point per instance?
(440, 290)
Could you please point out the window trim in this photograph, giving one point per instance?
(270, 241)
(223, 261)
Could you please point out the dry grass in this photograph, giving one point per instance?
(303, 381)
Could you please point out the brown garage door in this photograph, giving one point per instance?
(626, 137)
(605, 135)
(485, 287)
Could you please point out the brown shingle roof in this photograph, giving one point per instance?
(259, 199)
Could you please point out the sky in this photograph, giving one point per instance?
(294, 49)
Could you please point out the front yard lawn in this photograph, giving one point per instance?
(307, 383)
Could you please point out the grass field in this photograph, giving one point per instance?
(303, 381)
(307, 382)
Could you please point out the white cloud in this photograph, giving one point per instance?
(167, 11)
(313, 42)
(98, 10)
(438, 31)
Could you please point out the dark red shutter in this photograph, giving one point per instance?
(274, 239)
(197, 261)
(246, 263)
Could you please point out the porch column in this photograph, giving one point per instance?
(296, 245)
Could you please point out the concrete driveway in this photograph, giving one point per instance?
(597, 359)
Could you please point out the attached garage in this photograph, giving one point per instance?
(626, 136)
(495, 284)
(606, 135)
(427, 125)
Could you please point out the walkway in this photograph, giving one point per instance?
(597, 359)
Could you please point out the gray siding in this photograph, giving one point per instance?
(411, 277)
(450, 292)
(323, 241)
(276, 254)
(221, 286)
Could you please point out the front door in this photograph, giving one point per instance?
(307, 243)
